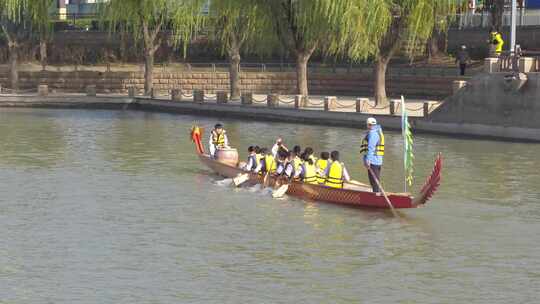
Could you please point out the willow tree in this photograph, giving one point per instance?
(405, 23)
(41, 24)
(304, 26)
(144, 20)
(239, 25)
(19, 21)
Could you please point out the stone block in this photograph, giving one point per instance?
(198, 96)
(492, 65)
(91, 90)
(527, 65)
(43, 90)
(222, 97)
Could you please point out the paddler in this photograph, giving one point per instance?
(296, 158)
(268, 163)
(218, 139)
(308, 170)
(310, 154)
(336, 173)
(321, 165)
(373, 150)
(279, 146)
(284, 163)
(252, 161)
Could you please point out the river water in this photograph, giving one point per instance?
(114, 207)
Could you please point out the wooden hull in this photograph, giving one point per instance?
(348, 197)
(316, 192)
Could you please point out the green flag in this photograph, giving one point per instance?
(408, 155)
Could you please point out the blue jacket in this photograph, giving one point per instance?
(373, 138)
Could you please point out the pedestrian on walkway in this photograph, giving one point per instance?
(496, 42)
(462, 58)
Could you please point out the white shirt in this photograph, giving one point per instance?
(211, 143)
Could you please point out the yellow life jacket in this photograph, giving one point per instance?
(321, 166)
(270, 163)
(218, 139)
(258, 158)
(297, 163)
(496, 39)
(379, 150)
(310, 174)
(335, 175)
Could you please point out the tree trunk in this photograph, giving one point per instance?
(234, 73)
(148, 72)
(433, 47)
(43, 52)
(13, 71)
(301, 74)
(380, 80)
(234, 66)
(497, 10)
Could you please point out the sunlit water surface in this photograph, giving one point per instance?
(114, 207)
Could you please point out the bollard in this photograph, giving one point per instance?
(358, 105)
(329, 102)
(222, 97)
(426, 109)
(247, 99)
(198, 96)
(176, 95)
(131, 92)
(91, 90)
(43, 90)
(457, 85)
(392, 107)
(527, 64)
(491, 65)
(272, 100)
(298, 102)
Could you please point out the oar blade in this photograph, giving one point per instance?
(240, 179)
(280, 192)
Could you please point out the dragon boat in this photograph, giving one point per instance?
(353, 196)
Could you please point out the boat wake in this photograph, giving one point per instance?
(224, 182)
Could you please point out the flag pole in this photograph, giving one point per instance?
(404, 134)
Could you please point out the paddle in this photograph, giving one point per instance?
(280, 192)
(382, 190)
(240, 179)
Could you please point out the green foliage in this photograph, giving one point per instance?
(400, 21)
(181, 17)
(28, 16)
(241, 23)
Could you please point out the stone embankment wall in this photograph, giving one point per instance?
(490, 99)
(348, 84)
